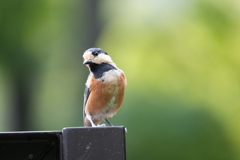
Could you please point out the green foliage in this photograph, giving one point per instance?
(183, 84)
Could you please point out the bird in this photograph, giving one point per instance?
(104, 88)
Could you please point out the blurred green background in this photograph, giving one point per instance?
(181, 59)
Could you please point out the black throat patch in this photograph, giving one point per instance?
(99, 69)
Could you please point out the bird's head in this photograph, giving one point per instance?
(96, 56)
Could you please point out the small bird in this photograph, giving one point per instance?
(105, 87)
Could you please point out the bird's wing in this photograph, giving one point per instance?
(87, 92)
(86, 95)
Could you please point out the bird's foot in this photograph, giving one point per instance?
(101, 125)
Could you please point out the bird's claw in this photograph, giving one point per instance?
(101, 125)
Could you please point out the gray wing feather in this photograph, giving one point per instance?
(86, 95)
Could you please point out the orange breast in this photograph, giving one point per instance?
(105, 99)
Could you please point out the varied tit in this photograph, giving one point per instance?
(105, 87)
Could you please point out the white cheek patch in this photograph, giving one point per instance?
(102, 58)
(87, 55)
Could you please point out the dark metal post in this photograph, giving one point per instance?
(30, 145)
(82, 143)
(103, 143)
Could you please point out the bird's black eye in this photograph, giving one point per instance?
(95, 53)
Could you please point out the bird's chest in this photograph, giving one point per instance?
(106, 93)
(111, 85)
(106, 87)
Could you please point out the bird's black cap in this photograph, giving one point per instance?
(96, 51)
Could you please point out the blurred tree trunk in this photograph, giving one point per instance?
(21, 98)
(91, 28)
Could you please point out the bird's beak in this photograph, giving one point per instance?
(87, 61)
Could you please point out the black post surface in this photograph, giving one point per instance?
(83, 143)
(30, 145)
(94, 143)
